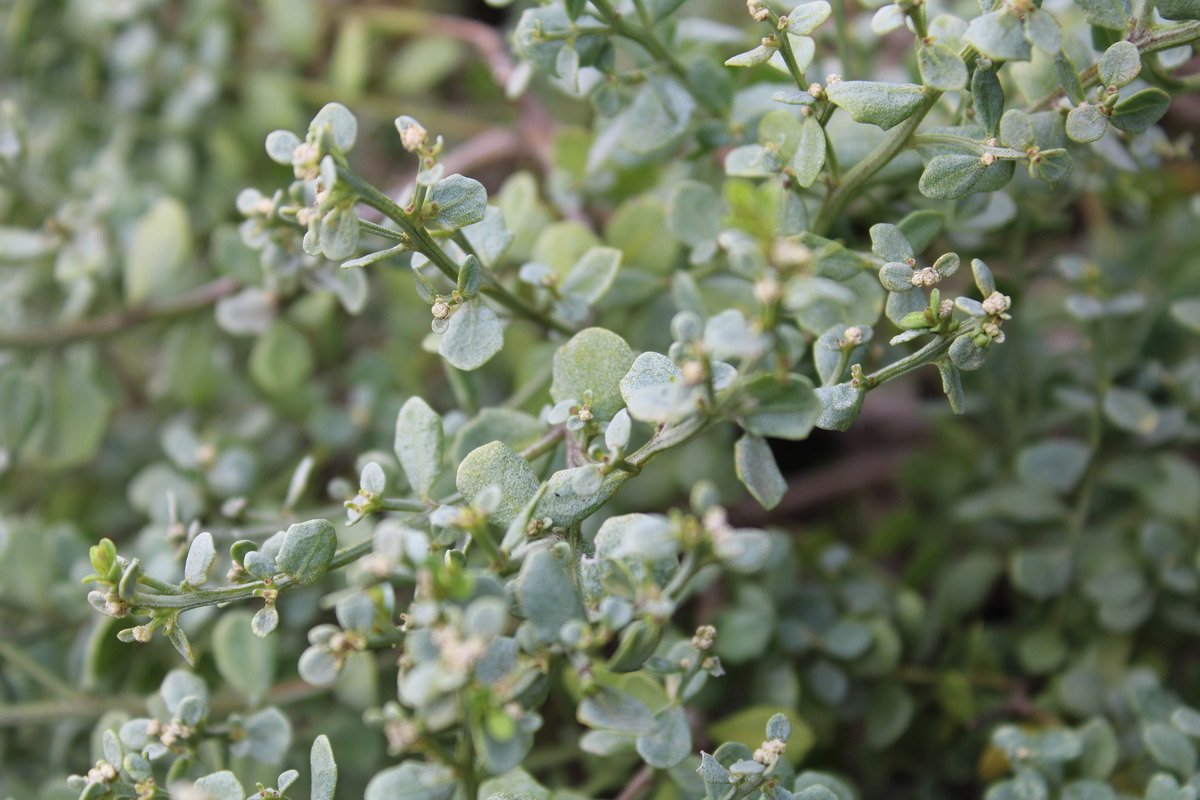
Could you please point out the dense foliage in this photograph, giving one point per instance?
(413, 485)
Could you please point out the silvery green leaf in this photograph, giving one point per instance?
(490, 238)
(546, 595)
(222, 785)
(1186, 312)
(566, 65)
(889, 243)
(888, 18)
(265, 621)
(497, 464)
(694, 212)
(1169, 748)
(951, 175)
(286, 779)
(1178, 9)
(793, 97)
(983, 278)
(882, 104)
(339, 233)
(341, 124)
(907, 336)
(1136, 113)
(947, 264)
(1052, 166)
(969, 305)
(419, 444)
(470, 277)
(840, 405)
(355, 612)
(747, 161)
(592, 274)
(456, 202)
(280, 146)
(659, 114)
(757, 470)
(245, 661)
(999, 35)
(988, 97)
(780, 408)
(611, 710)
(250, 312)
(372, 479)
(745, 767)
(158, 251)
(259, 565)
(1042, 31)
(594, 360)
(413, 780)
(324, 769)
(616, 435)
(1016, 130)
(896, 276)
(1130, 410)
(810, 152)
(473, 336)
(1068, 77)
(200, 558)
(180, 684)
(318, 666)
(670, 741)
(307, 549)
(179, 641)
(951, 385)
(1111, 14)
(1056, 463)
(728, 335)
(759, 55)
(428, 176)
(941, 67)
(1086, 123)
(966, 355)
(807, 17)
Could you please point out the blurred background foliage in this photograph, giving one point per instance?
(992, 572)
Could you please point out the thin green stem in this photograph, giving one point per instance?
(379, 230)
(38, 672)
(842, 362)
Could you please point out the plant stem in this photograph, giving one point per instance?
(38, 672)
(926, 355)
(117, 322)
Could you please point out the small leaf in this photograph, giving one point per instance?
(757, 470)
(1086, 123)
(157, 257)
(594, 360)
(1139, 111)
(1042, 31)
(324, 769)
(495, 464)
(1016, 130)
(547, 596)
(1051, 166)
(222, 785)
(592, 274)
(807, 17)
(999, 35)
(200, 559)
(245, 661)
(670, 742)
(1111, 14)
(810, 152)
(1130, 411)
(419, 444)
(1120, 64)
(455, 202)
(951, 175)
(941, 67)
(988, 97)
(339, 121)
(307, 549)
(473, 336)
(882, 104)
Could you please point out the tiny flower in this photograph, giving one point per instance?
(441, 309)
(768, 290)
(945, 307)
(853, 335)
(704, 638)
(413, 137)
(585, 414)
(987, 159)
(790, 253)
(693, 373)
(832, 79)
(758, 10)
(769, 751)
(927, 276)
(815, 90)
(996, 304)
(103, 772)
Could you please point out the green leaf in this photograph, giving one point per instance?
(1170, 748)
(1120, 64)
(1068, 76)
(694, 212)
(339, 233)
(757, 470)
(1016, 130)
(659, 114)
(1040, 573)
(412, 780)
(882, 104)
(20, 405)
(951, 385)
(1111, 14)
(889, 243)
(245, 661)
(749, 724)
(455, 202)
(473, 336)
(1086, 123)
(941, 67)
(1052, 166)
(781, 408)
(160, 247)
(890, 710)
(1100, 749)
(1179, 9)
(670, 741)
(281, 360)
(840, 406)
(339, 121)
(593, 274)
(1185, 311)
(200, 558)
(1057, 463)
(1042, 31)
(307, 549)
(495, 464)
(999, 35)
(807, 17)
(595, 360)
(419, 444)
(951, 175)
(546, 595)
(613, 710)
(222, 785)
(847, 639)
(810, 152)
(1130, 411)
(1139, 111)
(988, 97)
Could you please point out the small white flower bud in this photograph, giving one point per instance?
(853, 335)
(768, 290)
(996, 304)
(693, 373)
(441, 309)
(815, 90)
(413, 137)
(758, 10)
(833, 78)
(945, 308)
(927, 276)
(704, 638)
(987, 159)
(585, 414)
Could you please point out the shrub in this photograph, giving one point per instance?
(544, 540)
